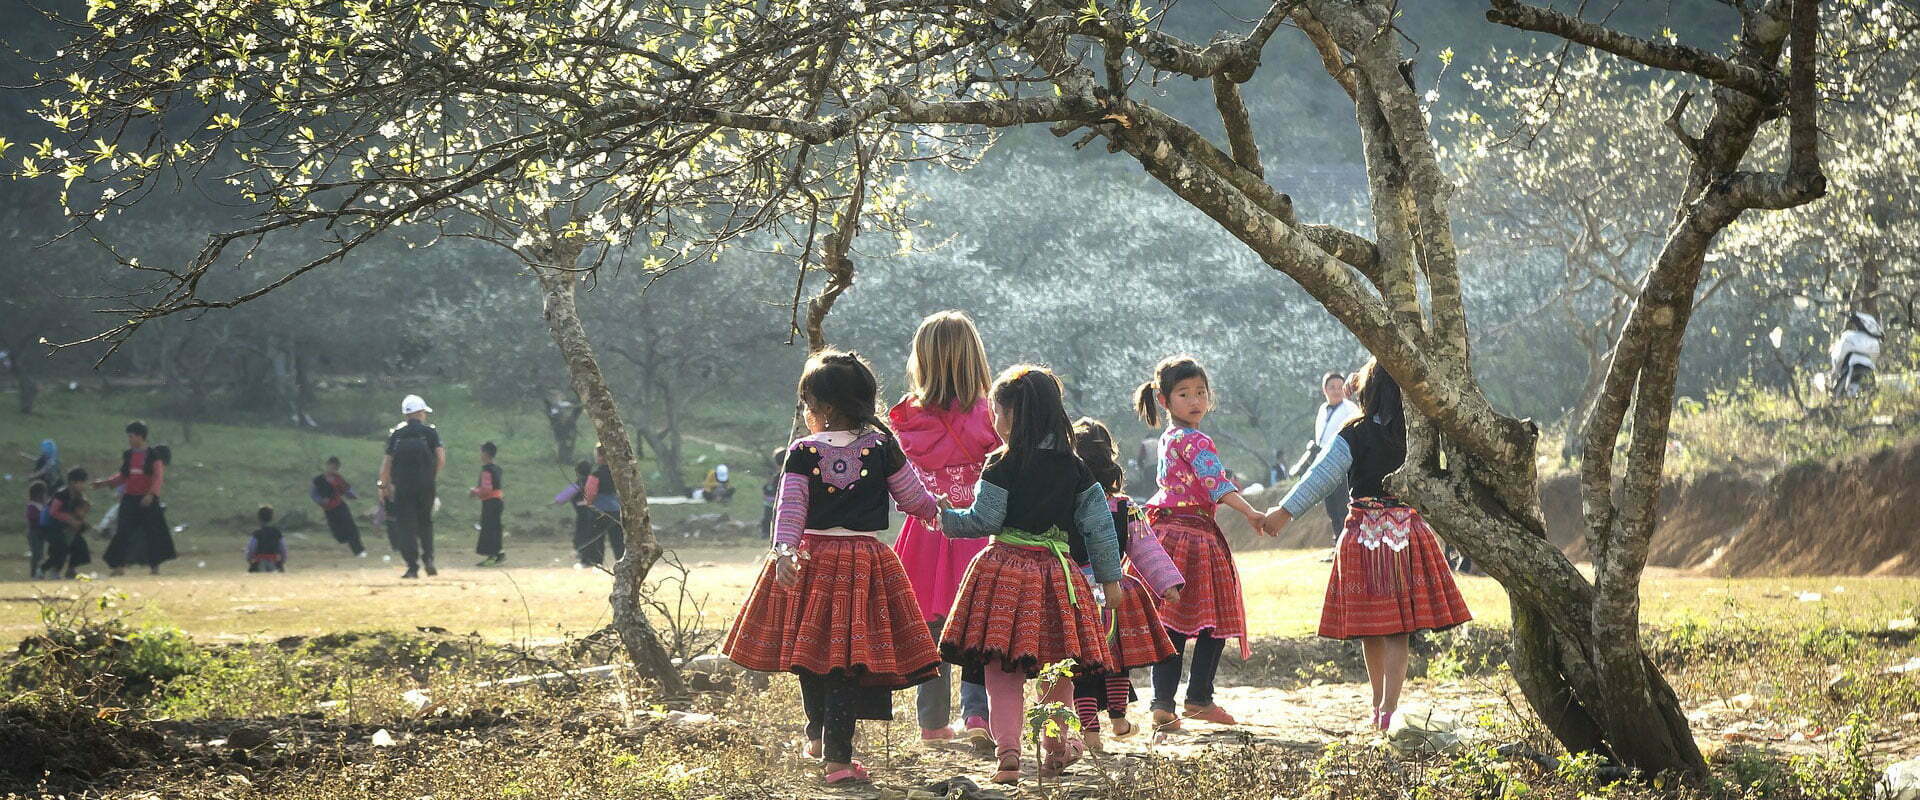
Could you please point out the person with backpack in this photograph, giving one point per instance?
(140, 534)
(407, 476)
(493, 506)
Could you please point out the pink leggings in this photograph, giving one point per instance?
(1007, 704)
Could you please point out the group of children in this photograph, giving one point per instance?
(57, 508)
(266, 548)
(1022, 555)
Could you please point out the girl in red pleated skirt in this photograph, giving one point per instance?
(833, 605)
(1136, 637)
(1193, 485)
(1023, 604)
(1389, 575)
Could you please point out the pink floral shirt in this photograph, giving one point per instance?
(1191, 475)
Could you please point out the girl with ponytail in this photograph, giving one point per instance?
(1389, 576)
(833, 605)
(1023, 604)
(1193, 485)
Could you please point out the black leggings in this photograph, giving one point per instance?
(833, 705)
(1206, 661)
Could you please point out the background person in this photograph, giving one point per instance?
(408, 474)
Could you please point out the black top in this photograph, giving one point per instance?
(847, 486)
(410, 428)
(494, 470)
(267, 539)
(1376, 454)
(1043, 493)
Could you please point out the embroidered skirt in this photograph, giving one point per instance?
(1211, 599)
(849, 613)
(1136, 637)
(1389, 577)
(1014, 610)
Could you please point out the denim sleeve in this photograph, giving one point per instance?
(1321, 480)
(984, 518)
(1096, 528)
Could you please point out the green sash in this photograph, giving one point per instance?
(1055, 540)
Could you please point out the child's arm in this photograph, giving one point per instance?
(567, 494)
(1150, 559)
(159, 486)
(790, 510)
(911, 496)
(984, 518)
(1205, 461)
(1096, 527)
(1321, 480)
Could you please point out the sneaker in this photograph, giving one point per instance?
(412, 572)
(361, 554)
(936, 734)
(488, 561)
(430, 570)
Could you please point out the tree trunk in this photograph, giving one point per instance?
(642, 644)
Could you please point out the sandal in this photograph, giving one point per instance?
(813, 749)
(1210, 713)
(852, 774)
(1061, 753)
(1165, 721)
(1009, 768)
(1122, 727)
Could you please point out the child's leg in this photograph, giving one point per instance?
(1119, 687)
(813, 698)
(1089, 694)
(1006, 704)
(1206, 662)
(932, 704)
(1373, 649)
(1059, 691)
(837, 727)
(1394, 677)
(1166, 674)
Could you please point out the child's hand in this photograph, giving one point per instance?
(1253, 517)
(786, 567)
(1275, 521)
(1172, 594)
(945, 504)
(1112, 590)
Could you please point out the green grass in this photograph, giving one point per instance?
(227, 470)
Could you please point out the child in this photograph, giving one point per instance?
(834, 605)
(331, 492)
(1022, 605)
(1135, 633)
(37, 496)
(1389, 576)
(492, 506)
(1193, 483)
(946, 428)
(601, 501)
(65, 526)
(587, 551)
(266, 548)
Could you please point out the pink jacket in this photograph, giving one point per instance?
(937, 438)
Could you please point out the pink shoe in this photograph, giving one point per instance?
(936, 734)
(1061, 753)
(1211, 713)
(1009, 771)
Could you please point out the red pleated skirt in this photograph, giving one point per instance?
(1014, 612)
(1389, 577)
(1211, 598)
(1135, 635)
(850, 612)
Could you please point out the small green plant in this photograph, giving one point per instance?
(1052, 719)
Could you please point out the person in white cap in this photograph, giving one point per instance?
(407, 476)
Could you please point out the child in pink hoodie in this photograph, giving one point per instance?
(946, 429)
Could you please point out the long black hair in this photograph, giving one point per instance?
(1093, 443)
(1166, 375)
(842, 385)
(1379, 398)
(1031, 394)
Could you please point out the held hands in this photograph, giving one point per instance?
(944, 503)
(1275, 521)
